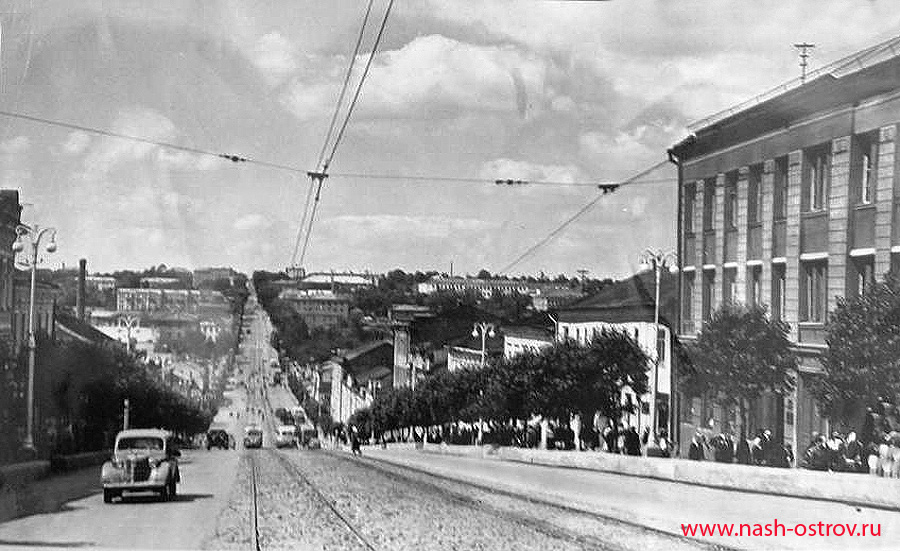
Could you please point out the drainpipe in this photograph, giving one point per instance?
(674, 409)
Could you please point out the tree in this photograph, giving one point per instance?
(740, 354)
(862, 362)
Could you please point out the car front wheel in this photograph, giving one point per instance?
(108, 496)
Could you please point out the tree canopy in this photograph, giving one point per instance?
(862, 362)
(739, 354)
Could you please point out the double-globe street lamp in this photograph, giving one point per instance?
(657, 261)
(485, 330)
(33, 236)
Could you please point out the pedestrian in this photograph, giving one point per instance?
(696, 450)
(632, 441)
(354, 442)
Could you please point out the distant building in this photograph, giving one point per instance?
(552, 298)
(161, 283)
(351, 380)
(336, 281)
(153, 300)
(552, 292)
(100, 283)
(318, 308)
(519, 340)
(204, 276)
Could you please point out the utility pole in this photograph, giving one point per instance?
(804, 48)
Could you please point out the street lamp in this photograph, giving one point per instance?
(657, 261)
(129, 322)
(33, 234)
(485, 330)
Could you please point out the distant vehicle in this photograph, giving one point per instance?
(219, 438)
(143, 460)
(286, 436)
(253, 437)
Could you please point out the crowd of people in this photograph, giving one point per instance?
(875, 450)
(760, 449)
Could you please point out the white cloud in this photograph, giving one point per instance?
(251, 222)
(436, 76)
(275, 55)
(76, 143)
(17, 145)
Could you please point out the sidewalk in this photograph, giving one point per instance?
(849, 488)
(48, 494)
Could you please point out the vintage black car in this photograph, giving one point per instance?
(143, 460)
(219, 438)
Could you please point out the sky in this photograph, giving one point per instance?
(542, 91)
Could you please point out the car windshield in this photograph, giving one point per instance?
(253, 432)
(140, 443)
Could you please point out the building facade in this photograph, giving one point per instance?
(519, 340)
(318, 308)
(792, 203)
(153, 300)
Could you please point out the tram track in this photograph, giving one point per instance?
(494, 501)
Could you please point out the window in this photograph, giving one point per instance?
(778, 291)
(754, 195)
(729, 288)
(709, 204)
(865, 274)
(730, 200)
(690, 195)
(709, 293)
(781, 188)
(754, 285)
(813, 291)
(866, 169)
(660, 345)
(687, 308)
(815, 179)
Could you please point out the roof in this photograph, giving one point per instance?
(360, 351)
(82, 331)
(143, 433)
(526, 332)
(846, 84)
(627, 300)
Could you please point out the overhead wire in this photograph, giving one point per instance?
(576, 216)
(320, 176)
(330, 132)
(243, 159)
(359, 86)
(340, 100)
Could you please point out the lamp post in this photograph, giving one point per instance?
(485, 330)
(33, 234)
(129, 322)
(657, 261)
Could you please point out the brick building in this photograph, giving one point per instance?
(791, 201)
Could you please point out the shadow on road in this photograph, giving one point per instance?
(133, 499)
